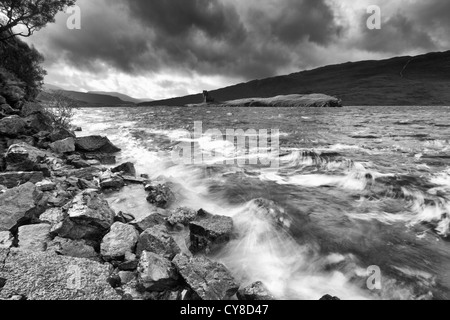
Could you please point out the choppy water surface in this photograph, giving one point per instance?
(360, 187)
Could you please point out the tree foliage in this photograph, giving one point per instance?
(25, 62)
(61, 108)
(30, 15)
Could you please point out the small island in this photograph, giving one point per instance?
(281, 101)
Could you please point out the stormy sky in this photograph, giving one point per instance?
(164, 48)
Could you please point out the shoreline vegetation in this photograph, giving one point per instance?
(60, 239)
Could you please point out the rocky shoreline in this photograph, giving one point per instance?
(60, 239)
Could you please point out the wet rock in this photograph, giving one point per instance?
(95, 144)
(267, 209)
(46, 185)
(110, 180)
(12, 126)
(61, 134)
(210, 280)
(46, 276)
(158, 240)
(89, 217)
(122, 239)
(329, 298)
(18, 205)
(103, 158)
(156, 273)
(23, 157)
(34, 237)
(209, 233)
(14, 179)
(6, 240)
(73, 248)
(63, 146)
(161, 196)
(182, 216)
(148, 222)
(125, 169)
(255, 292)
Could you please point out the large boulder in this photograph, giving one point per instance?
(12, 126)
(34, 237)
(18, 205)
(210, 232)
(95, 144)
(149, 221)
(156, 273)
(89, 217)
(159, 241)
(182, 216)
(46, 276)
(122, 239)
(63, 146)
(160, 196)
(109, 180)
(61, 134)
(14, 179)
(23, 157)
(255, 292)
(73, 248)
(125, 169)
(209, 280)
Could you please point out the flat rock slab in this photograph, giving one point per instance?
(19, 204)
(95, 144)
(210, 280)
(14, 179)
(46, 276)
(159, 241)
(209, 233)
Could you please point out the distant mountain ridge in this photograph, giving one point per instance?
(91, 98)
(121, 96)
(419, 80)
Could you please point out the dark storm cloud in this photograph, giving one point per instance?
(296, 21)
(398, 34)
(221, 37)
(208, 36)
